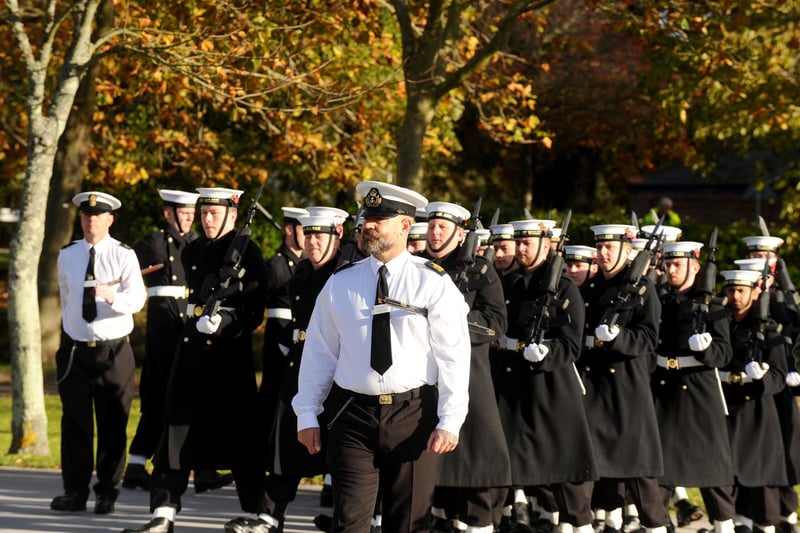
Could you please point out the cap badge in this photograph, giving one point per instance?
(92, 200)
(373, 198)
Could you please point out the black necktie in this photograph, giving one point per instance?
(89, 304)
(381, 357)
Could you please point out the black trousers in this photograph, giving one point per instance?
(281, 491)
(96, 383)
(373, 446)
(168, 485)
(574, 502)
(718, 501)
(762, 504)
(475, 506)
(644, 492)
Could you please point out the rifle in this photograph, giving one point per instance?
(350, 247)
(489, 253)
(466, 255)
(268, 216)
(231, 272)
(782, 276)
(632, 289)
(705, 290)
(763, 323)
(542, 319)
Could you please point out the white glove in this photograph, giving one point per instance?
(535, 353)
(208, 324)
(793, 379)
(756, 370)
(699, 342)
(504, 343)
(605, 333)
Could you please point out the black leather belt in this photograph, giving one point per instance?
(95, 344)
(386, 399)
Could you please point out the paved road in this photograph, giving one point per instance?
(25, 496)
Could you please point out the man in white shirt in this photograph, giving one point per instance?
(101, 286)
(391, 405)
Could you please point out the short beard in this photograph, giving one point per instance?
(375, 244)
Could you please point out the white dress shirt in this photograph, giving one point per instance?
(433, 350)
(113, 261)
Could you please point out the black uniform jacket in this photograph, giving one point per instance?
(689, 403)
(541, 404)
(753, 425)
(481, 457)
(165, 314)
(618, 400)
(211, 399)
(285, 454)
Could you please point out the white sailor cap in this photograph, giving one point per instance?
(556, 233)
(638, 244)
(324, 223)
(384, 200)
(219, 196)
(533, 228)
(613, 232)
(339, 215)
(418, 231)
(178, 198)
(95, 202)
(293, 214)
(670, 233)
(580, 253)
(682, 249)
(747, 278)
(483, 236)
(448, 211)
(755, 263)
(502, 232)
(762, 243)
(421, 215)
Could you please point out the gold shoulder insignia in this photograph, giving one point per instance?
(436, 267)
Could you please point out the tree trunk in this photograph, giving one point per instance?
(29, 419)
(420, 110)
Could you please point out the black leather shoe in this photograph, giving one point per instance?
(70, 501)
(136, 477)
(205, 480)
(248, 525)
(326, 496)
(156, 525)
(104, 504)
(441, 525)
(631, 524)
(323, 522)
(686, 512)
(786, 527)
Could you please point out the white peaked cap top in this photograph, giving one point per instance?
(740, 277)
(448, 211)
(763, 243)
(682, 249)
(670, 233)
(418, 231)
(219, 196)
(754, 263)
(533, 227)
(385, 200)
(93, 202)
(293, 213)
(178, 198)
(580, 252)
(339, 215)
(613, 232)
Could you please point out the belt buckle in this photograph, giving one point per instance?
(673, 363)
(385, 399)
(598, 343)
(735, 378)
(198, 310)
(91, 344)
